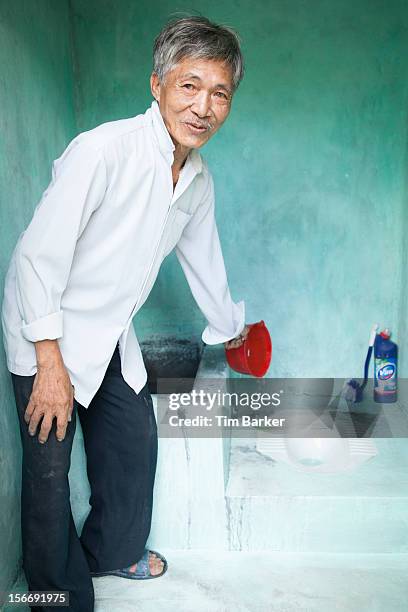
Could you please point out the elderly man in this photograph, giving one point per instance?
(122, 196)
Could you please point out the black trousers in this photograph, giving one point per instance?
(120, 439)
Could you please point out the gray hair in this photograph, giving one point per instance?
(198, 38)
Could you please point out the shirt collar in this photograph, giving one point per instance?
(165, 142)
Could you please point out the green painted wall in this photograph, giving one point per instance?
(36, 120)
(309, 168)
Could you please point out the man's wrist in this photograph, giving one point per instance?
(48, 354)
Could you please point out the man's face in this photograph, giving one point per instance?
(194, 100)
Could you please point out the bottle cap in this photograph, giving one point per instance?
(385, 334)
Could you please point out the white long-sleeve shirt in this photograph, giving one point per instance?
(92, 251)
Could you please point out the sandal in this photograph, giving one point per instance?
(142, 570)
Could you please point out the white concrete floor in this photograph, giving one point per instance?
(200, 581)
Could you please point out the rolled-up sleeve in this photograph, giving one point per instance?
(46, 249)
(200, 256)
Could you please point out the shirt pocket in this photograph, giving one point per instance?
(178, 224)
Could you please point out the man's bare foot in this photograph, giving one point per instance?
(155, 564)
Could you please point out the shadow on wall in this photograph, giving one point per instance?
(170, 357)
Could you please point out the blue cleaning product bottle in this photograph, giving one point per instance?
(385, 368)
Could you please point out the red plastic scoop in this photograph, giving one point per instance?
(255, 353)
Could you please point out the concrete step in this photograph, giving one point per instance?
(202, 581)
(273, 507)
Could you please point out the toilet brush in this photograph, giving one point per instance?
(353, 390)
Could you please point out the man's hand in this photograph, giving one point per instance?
(236, 342)
(52, 394)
